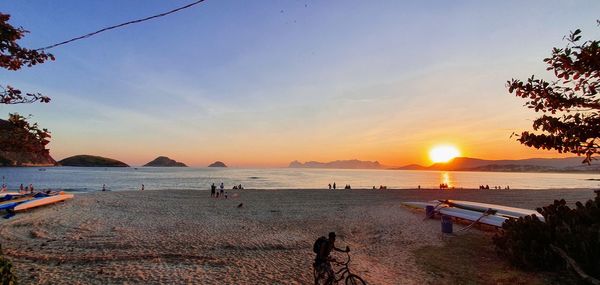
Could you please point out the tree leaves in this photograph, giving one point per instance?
(14, 57)
(18, 135)
(577, 68)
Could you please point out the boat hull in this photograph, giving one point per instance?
(42, 201)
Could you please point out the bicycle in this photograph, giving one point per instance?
(325, 275)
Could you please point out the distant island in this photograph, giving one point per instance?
(91, 161)
(340, 164)
(163, 161)
(570, 164)
(217, 164)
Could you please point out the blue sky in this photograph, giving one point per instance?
(261, 83)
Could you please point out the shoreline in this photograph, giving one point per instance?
(325, 189)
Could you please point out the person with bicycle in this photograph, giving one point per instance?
(326, 246)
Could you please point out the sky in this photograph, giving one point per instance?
(262, 83)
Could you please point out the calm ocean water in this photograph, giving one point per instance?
(118, 179)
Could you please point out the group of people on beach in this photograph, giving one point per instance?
(26, 189)
(214, 193)
(334, 186)
(487, 187)
(22, 189)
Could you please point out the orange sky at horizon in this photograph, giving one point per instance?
(241, 159)
(252, 88)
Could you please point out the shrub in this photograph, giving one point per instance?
(6, 275)
(528, 242)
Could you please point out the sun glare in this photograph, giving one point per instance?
(443, 153)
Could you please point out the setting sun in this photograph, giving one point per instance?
(443, 153)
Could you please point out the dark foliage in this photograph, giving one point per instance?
(526, 242)
(18, 135)
(21, 136)
(6, 275)
(13, 57)
(570, 104)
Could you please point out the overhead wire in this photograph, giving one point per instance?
(120, 25)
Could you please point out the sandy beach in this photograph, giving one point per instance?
(186, 237)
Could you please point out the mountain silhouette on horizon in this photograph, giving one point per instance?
(339, 164)
(569, 164)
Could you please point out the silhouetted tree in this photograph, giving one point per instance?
(19, 135)
(13, 57)
(570, 104)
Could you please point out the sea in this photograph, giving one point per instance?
(89, 179)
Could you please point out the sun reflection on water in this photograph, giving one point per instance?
(445, 181)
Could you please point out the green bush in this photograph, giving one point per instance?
(527, 242)
(6, 275)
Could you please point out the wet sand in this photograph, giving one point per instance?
(186, 237)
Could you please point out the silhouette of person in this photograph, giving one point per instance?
(322, 258)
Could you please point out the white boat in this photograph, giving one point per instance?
(492, 220)
(445, 209)
(500, 210)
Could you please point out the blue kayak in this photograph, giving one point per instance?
(10, 205)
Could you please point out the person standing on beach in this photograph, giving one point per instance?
(329, 186)
(333, 185)
(103, 187)
(30, 188)
(213, 189)
(222, 188)
(21, 188)
(142, 187)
